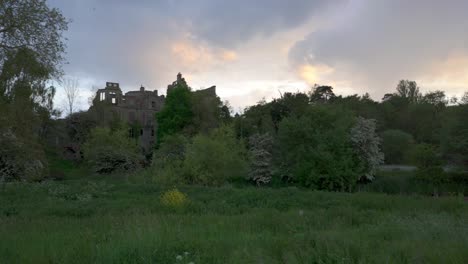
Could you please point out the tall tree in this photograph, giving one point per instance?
(322, 94)
(31, 53)
(33, 25)
(409, 89)
(177, 112)
(70, 87)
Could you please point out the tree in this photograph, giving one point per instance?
(367, 144)
(31, 53)
(464, 99)
(322, 94)
(429, 164)
(425, 156)
(177, 113)
(362, 106)
(454, 135)
(315, 150)
(395, 146)
(260, 158)
(289, 104)
(256, 119)
(32, 25)
(70, 87)
(436, 98)
(409, 90)
(208, 110)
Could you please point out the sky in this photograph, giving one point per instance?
(254, 50)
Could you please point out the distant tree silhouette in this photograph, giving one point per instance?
(322, 94)
(409, 89)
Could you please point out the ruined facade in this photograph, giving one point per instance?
(137, 108)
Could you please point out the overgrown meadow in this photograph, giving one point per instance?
(121, 221)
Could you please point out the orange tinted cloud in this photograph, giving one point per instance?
(313, 74)
(449, 74)
(229, 55)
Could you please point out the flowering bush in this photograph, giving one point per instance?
(174, 198)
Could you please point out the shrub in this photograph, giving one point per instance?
(21, 158)
(209, 159)
(429, 163)
(174, 198)
(108, 151)
(433, 175)
(168, 160)
(214, 159)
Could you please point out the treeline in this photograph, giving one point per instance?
(316, 139)
(405, 119)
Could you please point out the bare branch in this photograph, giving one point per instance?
(70, 87)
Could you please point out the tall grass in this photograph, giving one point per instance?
(115, 221)
(407, 182)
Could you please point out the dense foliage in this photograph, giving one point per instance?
(109, 150)
(315, 150)
(31, 53)
(396, 144)
(207, 159)
(176, 114)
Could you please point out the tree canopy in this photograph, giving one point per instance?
(33, 25)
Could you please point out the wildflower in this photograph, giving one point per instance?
(301, 212)
(186, 253)
(174, 198)
(179, 257)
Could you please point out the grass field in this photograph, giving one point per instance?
(117, 221)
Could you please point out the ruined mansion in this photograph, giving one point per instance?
(137, 108)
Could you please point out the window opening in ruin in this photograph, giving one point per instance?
(102, 96)
(141, 132)
(153, 104)
(114, 101)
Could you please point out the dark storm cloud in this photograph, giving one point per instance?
(380, 42)
(229, 23)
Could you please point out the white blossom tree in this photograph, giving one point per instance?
(366, 143)
(260, 156)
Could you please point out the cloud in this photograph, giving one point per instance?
(249, 49)
(230, 23)
(373, 44)
(148, 42)
(314, 74)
